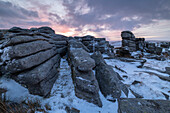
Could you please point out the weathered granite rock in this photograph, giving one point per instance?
(58, 37)
(86, 86)
(158, 50)
(39, 73)
(21, 39)
(75, 44)
(157, 57)
(17, 65)
(165, 44)
(167, 70)
(108, 79)
(71, 110)
(31, 57)
(123, 52)
(129, 40)
(150, 47)
(25, 49)
(64, 43)
(81, 60)
(37, 79)
(1, 35)
(96, 44)
(17, 30)
(46, 30)
(140, 44)
(88, 38)
(127, 35)
(136, 105)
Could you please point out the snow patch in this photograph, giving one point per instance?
(5, 55)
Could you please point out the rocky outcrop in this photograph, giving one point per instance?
(165, 44)
(123, 52)
(86, 86)
(167, 70)
(31, 57)
(150, 47)
(108, 79)
(96, 44)
(137, 105)
(131, 44)
(129, 40)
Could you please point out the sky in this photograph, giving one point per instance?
(148, 19)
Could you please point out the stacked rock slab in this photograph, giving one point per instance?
(150, 47)
(136, 105)
(165, 44)
(108, 80)
(96, 44)
(31, 57)
(133, 44)
(86, 86)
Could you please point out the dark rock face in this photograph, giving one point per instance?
(108, 79)
(165, 44)
(129, 40)
(46, 30)
(17, 30)
(86, 86)
(158, 50)
(136, 105)
(157, 57)
(123, 52)
(131, 44)
(167, 70)
(31, 57)
(127, 35)
(71, 110)
(96, 44)
(150, 47)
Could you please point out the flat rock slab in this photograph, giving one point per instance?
(77, 44)
(22, 39)
(39, 73)
(108, 79)
(25, 49)
(135, 105)
(85, 83)
(30, 61)
(81, 59)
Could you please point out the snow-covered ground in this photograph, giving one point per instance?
(116, 43)
(151, 86)
(62, 95)
(158, 64)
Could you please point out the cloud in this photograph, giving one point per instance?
(13, 15)
(102, 18)
(7, 9)
(157, 30)
(141, 11)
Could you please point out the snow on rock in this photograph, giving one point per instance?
(15, 92)
(5, 55)
(116, 43)
(63, 95)
(151, 86)
(157, 64)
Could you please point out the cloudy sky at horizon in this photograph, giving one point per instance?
(101, 18)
